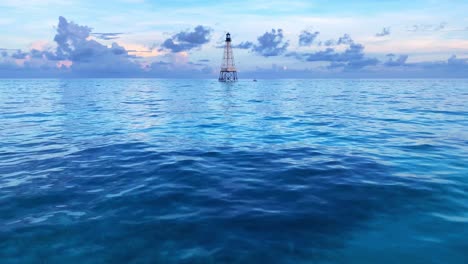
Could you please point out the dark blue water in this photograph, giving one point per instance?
(196, 171)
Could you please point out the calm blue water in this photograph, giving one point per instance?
(196, 171)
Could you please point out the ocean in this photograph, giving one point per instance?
(197, 171)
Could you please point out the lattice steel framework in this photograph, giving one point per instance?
(228, 71)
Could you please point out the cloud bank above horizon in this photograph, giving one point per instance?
(301, 39)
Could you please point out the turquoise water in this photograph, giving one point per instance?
(196, 171)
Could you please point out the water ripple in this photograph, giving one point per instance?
(194, 171)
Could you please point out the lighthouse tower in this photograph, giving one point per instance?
(228, 71)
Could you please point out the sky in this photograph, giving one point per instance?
(271, 39)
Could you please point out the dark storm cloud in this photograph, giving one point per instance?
(271, 44)
(306, 38)
(106, 36)
(396, 62)
(385, 32)
(187, 40)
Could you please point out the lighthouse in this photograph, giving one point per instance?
(228, 71)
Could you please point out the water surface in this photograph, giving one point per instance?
(196, 171)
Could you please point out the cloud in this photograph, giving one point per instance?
(385, 32)
(435, 28)
(428, 27)
(454, 61)
(453, 67)
(142, 51)
(78, 55)
(187, 40)
(344, 40)
(271, 44)
(106, 36)
(306, 38)
(396, 62)
(243, 45)
(163, 69)
(19, 55)
(89, 56)
(72, 40)
(352, 57)
(327, 43)
(268, 45)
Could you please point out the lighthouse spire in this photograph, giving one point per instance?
(228, 72)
